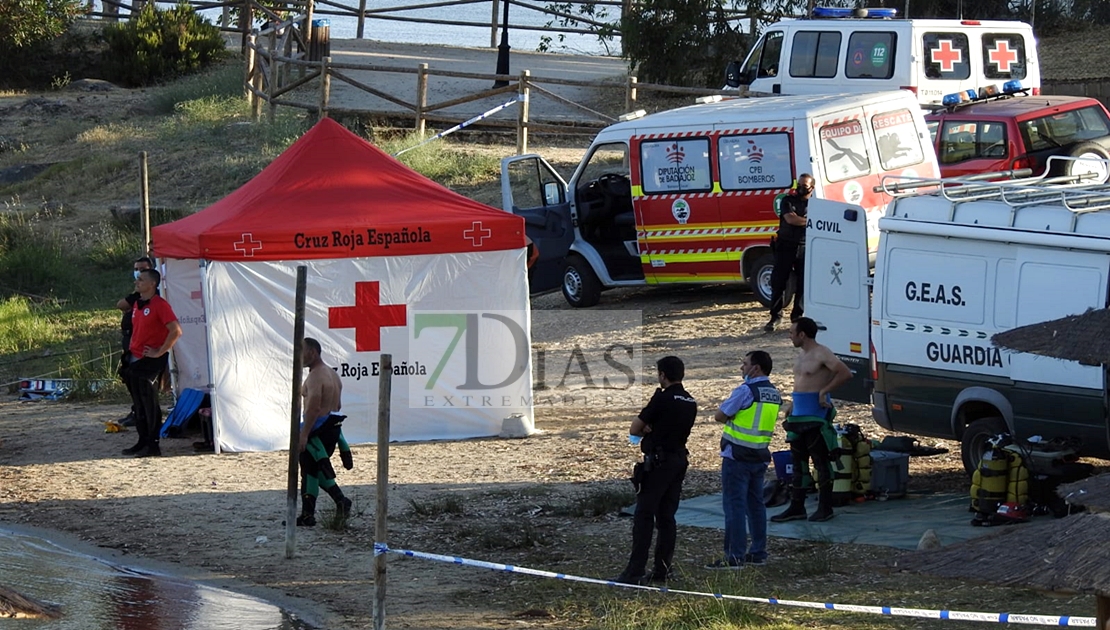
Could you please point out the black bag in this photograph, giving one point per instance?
(775, 493)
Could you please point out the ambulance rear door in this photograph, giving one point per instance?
(838, 289)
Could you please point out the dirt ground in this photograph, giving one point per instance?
(59, 470)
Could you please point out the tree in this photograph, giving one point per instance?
(24, 23)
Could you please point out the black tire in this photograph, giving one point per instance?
(1090, 150)
(974, 442)
(759, 279)
(581, 288)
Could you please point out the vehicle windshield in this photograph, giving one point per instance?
(1059, 129)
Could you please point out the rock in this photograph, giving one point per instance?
(22, 172)
(49, 106)
(92, 85)
(13, 604)
(929, 540)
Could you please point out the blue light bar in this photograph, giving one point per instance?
(831, 12)
(837, 12)
(950, 99)
(1011, 87)
(882, 14)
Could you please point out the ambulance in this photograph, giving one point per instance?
(687, 195)
(954, 268)
(836, 52)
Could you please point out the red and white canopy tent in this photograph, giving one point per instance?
(396, 264)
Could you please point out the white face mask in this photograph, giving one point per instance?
(136, 274)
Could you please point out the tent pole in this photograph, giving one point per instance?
(385, 386)
(295, 416)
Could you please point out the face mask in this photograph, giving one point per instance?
(136, 274)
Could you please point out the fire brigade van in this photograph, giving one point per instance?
(836, 52)
(687, 195)
(955, 267)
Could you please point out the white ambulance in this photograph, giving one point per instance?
(954, 268)
(687, 195)
(835, 52)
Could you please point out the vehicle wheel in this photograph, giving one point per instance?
(581, 288)
(760, 281)
(974, 442)
(1090, 151)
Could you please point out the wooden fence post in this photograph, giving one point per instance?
(274, 72)
(493, 24)
(307, 30)
(252, 59)
(325, 88)
(630, 94)
(246, 19)
(421, 97)
(522, 114)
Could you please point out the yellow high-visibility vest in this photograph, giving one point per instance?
(753, 427)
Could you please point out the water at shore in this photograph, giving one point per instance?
(97, 595)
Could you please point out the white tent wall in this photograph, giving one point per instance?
(250, 308)
(183, 286)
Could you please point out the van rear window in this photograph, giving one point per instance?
(1004, 56)
(676, 165)
(896, 137)
(844, 150)
(755, 161)
(947, 56)
(870, 55)
(815, 54)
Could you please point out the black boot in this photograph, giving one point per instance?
(308, 511)
(824, 506)
(342, 503)
(796, 512)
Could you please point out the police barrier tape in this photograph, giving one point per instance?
(1037, 620)
(463, 124)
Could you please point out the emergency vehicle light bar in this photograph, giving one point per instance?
(1008, 88)
(839, 13)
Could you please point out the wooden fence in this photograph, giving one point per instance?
(277, 65)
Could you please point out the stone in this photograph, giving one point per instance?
(516, 426)
(929, 540)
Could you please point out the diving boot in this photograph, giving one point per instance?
(308, 511)
(824, 506)
(796, 512)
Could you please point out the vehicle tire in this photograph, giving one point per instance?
(581, 288)
(1089, 150)
(760, 281)
(974, 442)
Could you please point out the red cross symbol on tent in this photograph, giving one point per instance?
(946, 55)
(247, 245)
(367, 316)
(1002, 56)
(477, 233)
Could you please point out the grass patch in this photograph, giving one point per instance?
(436, 506)
(24, 326)
(508, 536)
(442, 161)
(224, 81)
(595, 502)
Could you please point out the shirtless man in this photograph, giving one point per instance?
(809, 416)
(322, 391)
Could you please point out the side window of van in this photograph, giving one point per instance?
(870, 55)
(1004, 56)
(947, 56)
(755, 161)
(815, 54)
(844, 150)
(675, 165)
(772, 51)
(896, 137)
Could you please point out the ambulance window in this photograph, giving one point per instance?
(772, 50)
(845, 151)
(755, 161)
(1004, 56)
(870, 56)
(896, 137)
(947, 56)
(675, 165)
(815, 54)
(606, 158)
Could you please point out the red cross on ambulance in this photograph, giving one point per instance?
(1001, 55)
(368, 316)
(947, 56)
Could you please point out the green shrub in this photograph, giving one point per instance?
(158, 45)
(27, 22)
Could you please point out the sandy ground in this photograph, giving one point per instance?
(59, 470)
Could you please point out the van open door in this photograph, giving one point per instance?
(837, 289)
(532, 189)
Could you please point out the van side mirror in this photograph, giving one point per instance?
(850, 215)
(552, 194)
(732, 74)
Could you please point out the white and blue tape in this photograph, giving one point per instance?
(890, 611)
(441, 134)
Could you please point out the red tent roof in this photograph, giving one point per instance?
(334, 195)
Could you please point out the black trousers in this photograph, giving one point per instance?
(812, 444)
(656, 505)
(789, 257)
(144, 375)
(125, 374)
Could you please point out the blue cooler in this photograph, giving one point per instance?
(784, 465)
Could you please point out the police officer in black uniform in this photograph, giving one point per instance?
(790, 247)
(664, 425)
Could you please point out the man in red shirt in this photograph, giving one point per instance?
(154, 331)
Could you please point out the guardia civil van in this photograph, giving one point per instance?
(687, 195)
(954, 267)
(835, 51)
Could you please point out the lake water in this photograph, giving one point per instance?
(472, 36)
(97, 595)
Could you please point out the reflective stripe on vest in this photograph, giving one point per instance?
(753, 427)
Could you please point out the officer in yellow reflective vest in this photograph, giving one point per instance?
(749, 415)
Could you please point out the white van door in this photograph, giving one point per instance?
(531, 188)
(837, 289)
